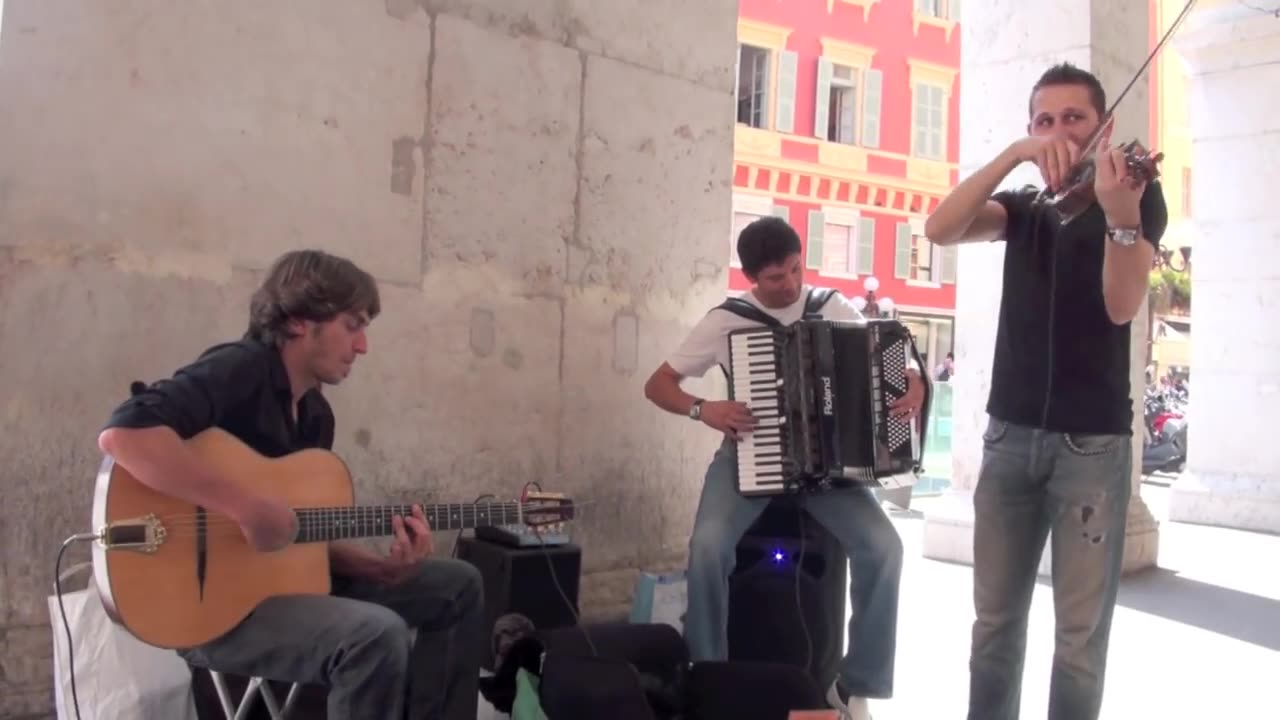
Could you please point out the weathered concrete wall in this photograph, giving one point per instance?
(541, 187)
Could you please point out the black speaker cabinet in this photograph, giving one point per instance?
(521, 580)
(773, 585)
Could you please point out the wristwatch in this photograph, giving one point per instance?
(695, 410)
(1123, 236)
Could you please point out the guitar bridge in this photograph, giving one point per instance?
(142, 534)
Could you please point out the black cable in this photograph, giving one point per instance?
(66, 626)
(555, 580)
(804, 625)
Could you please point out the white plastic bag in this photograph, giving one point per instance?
(118, 677)
(660, 598)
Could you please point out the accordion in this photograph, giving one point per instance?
(820, 392)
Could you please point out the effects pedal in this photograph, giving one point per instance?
(521, 536)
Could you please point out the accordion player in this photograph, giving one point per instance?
(820, 391)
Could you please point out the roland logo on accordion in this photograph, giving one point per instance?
(828, 397)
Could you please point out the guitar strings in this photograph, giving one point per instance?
(391, 510)
(312, 517)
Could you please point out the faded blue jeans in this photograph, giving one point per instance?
(853, 516)
(1033, 481)
(356, 642)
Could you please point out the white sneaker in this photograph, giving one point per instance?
(850, 707)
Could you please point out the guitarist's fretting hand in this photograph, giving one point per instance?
(269, 524)
(407, 552)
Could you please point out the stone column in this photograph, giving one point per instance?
(1233, 473)
(1004, 51)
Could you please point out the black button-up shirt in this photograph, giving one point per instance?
(1060, 363)
(241, 387)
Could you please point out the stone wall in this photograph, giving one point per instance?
(543, 192)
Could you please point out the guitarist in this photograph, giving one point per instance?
(769, 249)
(307, 326)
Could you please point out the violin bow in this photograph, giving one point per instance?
(1080, 173)
(1168, 33)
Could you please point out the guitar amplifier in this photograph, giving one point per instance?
(524, 580)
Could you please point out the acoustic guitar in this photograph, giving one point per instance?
(177, 576)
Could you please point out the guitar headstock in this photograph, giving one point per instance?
(546, 511)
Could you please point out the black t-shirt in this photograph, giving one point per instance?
(1060, 363)
(241, 387)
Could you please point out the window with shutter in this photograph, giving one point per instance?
(871, 95)
(813, 251)
(902, 251)
(821, 105)
(866, 246)
(950, 256)
(929, 120)
(786, 107)
(841, 231)
(753, 86)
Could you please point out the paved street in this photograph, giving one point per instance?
(1199, 637)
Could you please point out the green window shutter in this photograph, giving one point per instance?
(817, 227)
(781, 211)
(866, 253)
(822, 99)
(872, 81)
(902, 252)
(785, 121)
(950, 257)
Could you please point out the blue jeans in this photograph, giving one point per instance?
(356, 642)
(1033, 481)
(852, 516)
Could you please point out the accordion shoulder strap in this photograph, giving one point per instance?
(818, 299)
(741, 307)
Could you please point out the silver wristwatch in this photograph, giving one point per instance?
(1123, 236)
(695, 410)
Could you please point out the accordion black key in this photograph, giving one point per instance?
(820, 391)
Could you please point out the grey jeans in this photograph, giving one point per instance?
(867, 536)
(356, 642)
(1033, 481)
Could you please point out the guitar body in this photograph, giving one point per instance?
(174, 586)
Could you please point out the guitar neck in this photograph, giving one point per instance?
(324, 524)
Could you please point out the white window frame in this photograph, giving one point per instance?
(935, 256)
(845, 217)
(759, 205)
(854, 85)
(770, 81)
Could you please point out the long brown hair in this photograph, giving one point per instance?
(309, 285)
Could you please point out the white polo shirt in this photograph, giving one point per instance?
(708, 343)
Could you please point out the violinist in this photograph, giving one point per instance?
(1057, 447)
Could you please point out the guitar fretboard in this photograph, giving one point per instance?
(324, 524)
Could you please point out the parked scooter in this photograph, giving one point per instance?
(1164, 448)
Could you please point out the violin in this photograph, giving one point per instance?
(1076, 194)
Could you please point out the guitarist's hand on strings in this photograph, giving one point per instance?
(412, 544)
(729, 417)
(268, 524)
